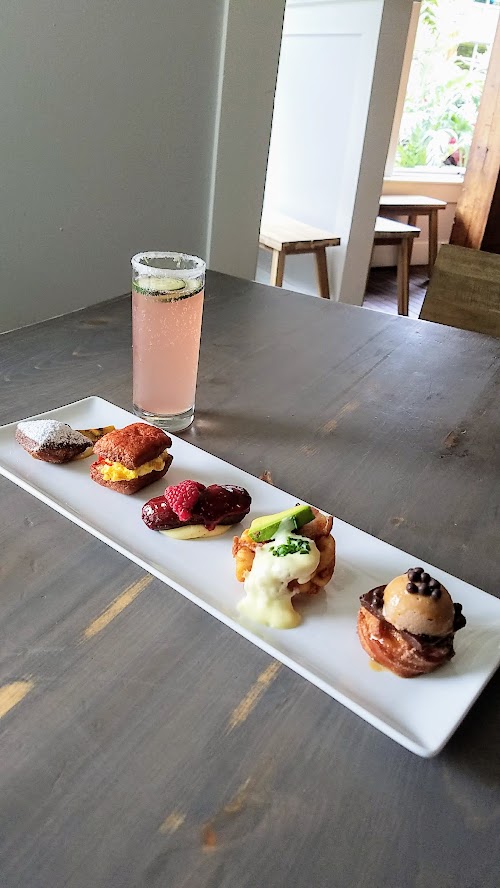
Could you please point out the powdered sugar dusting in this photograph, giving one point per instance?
(51, 433)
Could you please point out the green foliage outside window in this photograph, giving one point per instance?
(444, 91)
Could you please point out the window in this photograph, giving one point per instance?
(450, 59)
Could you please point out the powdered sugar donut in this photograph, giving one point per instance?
(50, 440)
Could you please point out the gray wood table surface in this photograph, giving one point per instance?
(152, 746)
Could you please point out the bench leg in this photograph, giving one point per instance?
(403, 276)
(369, 269)
(433, 238)
(277, 268)
(412, 220)
(322, 273)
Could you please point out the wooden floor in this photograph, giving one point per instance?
(381, 291)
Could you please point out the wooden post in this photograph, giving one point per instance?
(476, 198)
(491, 237)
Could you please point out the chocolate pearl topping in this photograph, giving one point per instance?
(421, 583)
(415, 573)
(459, 620)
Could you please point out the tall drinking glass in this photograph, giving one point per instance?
(167, 307)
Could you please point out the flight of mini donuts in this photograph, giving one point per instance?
(407, 626)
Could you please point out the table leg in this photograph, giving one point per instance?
(277, 268)
(412, 220)
(322, 273)
(403, 275)
(433, 238)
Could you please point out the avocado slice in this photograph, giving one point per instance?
(263, 529)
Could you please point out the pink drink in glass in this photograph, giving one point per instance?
(166, 323)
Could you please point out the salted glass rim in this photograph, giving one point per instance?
(140, 267)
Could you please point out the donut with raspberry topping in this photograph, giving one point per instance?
(190, 510)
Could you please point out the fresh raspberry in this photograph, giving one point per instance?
(183, 497)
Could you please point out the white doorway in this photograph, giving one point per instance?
(336, 92)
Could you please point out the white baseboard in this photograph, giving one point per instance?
(383, 256)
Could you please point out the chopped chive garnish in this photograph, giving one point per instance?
(291, 547)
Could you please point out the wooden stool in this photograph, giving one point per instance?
(284, 236)
(389, 232)
(412, 206)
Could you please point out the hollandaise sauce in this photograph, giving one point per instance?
(287, 557)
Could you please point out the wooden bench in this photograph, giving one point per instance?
(413, 206)
(286, 236)
(388, 232)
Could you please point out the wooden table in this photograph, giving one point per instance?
(155, 747)
(285, 237)
(389, 232)
(413, 206)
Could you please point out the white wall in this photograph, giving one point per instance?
(107, 123)
(246, 95)
(336, 92)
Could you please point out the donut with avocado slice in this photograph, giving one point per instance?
(283, 562)
(318, 529)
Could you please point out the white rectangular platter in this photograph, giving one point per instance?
(420, 714)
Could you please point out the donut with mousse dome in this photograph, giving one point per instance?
(408, 626)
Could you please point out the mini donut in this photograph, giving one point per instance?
(409, 625)
(318, 529)
(131, 458)
(50, 440)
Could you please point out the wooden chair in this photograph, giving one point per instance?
(464, 290)
(284, 236)
(390, 232)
